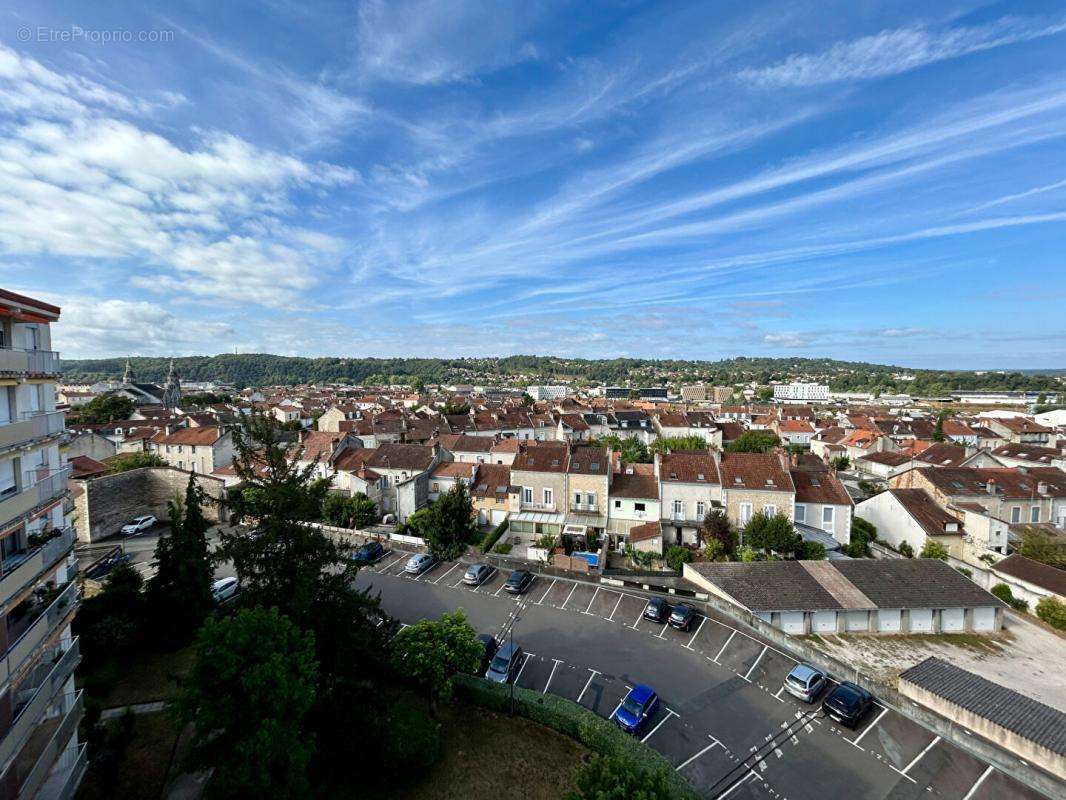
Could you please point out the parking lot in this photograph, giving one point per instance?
(724, 721)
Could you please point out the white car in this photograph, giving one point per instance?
(139, 525)
(224, 589)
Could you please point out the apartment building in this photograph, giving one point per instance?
(40, 755)
(801, 392)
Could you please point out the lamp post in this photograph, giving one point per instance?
(510, 641)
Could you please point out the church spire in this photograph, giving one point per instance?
(172, 389)
(127, 375)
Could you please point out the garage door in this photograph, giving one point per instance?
(792, 621)
(824, 622)
(765, 616)
(498, 516)
(888, 620)
(857, 621)
(984, 619)
(952, 620)
(921, 620)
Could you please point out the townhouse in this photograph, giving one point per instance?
(912, 516)
(822, 502)
(756, 482)
(1019, 430)
(588, 479)
(403, 477)
(539, 473)
(633, 502)
(200, 450)
(491, 493)
(689, 486)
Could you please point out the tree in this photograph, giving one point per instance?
(449, 525)
(679, 444)
(934, 549)
(431, 652)
(452, 408)
(620, 778)
(111, 623)
(938, 429)
(364, 510)
(840, 463)
(103, 409)
(754, 442)
(179, 596)
(717, 527)
(417, 385)
(1052, 611)
(356, 511)
(775, 533)
(1040, 546)
(527, 399)
(248, 697)
(906, 550)
(676, 557)
(632, 449)
(124, 462)
(811, 551)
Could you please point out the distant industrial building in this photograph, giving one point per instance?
(653, 393)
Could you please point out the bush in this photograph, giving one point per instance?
(713, 550)
(906, 550)
(677, 556)
(1053, 612)
(1019, 605)
(619, 777)
(503, 548)
(934, 549)
(811, 551)
(593, 731)
(1003, 592)
(642, 558)
(493, 536)
(411, 739)
(747, 554)
(967, 572)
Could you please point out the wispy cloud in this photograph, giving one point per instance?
(892, 52)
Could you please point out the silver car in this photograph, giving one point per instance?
(806, 682)
(477, 574)
(419, 563)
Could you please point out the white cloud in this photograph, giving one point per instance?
(788, 339)
(891, 52)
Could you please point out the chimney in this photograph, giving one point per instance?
(1041, 488)
(991, 485)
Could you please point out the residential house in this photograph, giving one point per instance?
(446, 474)
(633, 502)
(754, 482)
(1027, 455)
(794, 431)
(200, 450)
(689, 486)
(1020, 430)
(491, 493)
(912, 516)
(822, 502)
(468, 449)
(539, 505)
(403, 471)
(588, 479)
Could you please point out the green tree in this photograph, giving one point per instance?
(754, 442)
(1040, 546)
(527, 399)
(101, 410)
(676, 557)
(431, 652)
(456, 408)
(449, 525)
(417, 385)
(840, 462)
(679, 444)
(619, 778)
(111, 624)
(179, 595)
(717, 527)
(248, 698)
(934, 549)
(1052, 611)
(906, 550)
(811, 551)
(775, 533)
(123, 462)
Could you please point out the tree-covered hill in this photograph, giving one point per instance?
(260, 369)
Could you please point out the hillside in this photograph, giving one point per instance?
(254, 369)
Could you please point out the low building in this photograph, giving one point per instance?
(883, 596)
(913, 517)
(1030, 580)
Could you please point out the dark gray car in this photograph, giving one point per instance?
(505, 664)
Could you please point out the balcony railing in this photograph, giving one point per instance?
(583, 507)
(20, 570)
(34, 694)
(38, 487)
(531, 506)
(38, 630)
(35, 362)
(29, 426)
(34, 765)
(63, 783)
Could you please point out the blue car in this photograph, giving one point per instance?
(638, 707)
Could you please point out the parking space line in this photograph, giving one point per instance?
(522, 668)
(868, 728)
(502, 587)
(749, 777)
(755, 663)
(669, 714)
(459, 582)
(567, 600)
(918, 757)
(588, 683)
(611, 618)
(697, 633)
(621, 700)
(388, 566)
(550, 585)
(778, 695)
(445, 575)
(977, 783)
(640, 616)
(714, 743)
(555, 666)
(593, 600)
(724, 646)
(662, 633)
(423, 574)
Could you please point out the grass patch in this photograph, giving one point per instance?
(142, 766)
(149, 677)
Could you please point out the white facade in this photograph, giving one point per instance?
(801, 392)
(547, 392)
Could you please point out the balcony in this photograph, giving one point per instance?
(38, 487)
(36, 764)
(32, 362)
(531, 506)
(30, 426)
(35, 628)
(35, 693)
(584, 508)
(63, 783)
(20, 570)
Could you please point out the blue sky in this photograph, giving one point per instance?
(874, 181)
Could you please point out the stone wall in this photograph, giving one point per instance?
(107, 503)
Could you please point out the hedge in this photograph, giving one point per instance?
(493, 536)
(596, 733)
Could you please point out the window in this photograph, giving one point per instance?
(769, 510)
(549, 497)
(617, 503)
(827, 517)
(636, 506)
(801, 512)
(527, 494)
(1016, 514)
(701, 509)
(1034, 514)
(577, 498)
(679, 509)
(7, 477)
(590, 498)
(436, 487)
(745, 513)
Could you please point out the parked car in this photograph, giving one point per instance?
(138, 525)
(848, 704)
(637, 707)
(224, 589)
(104, 566)
(369, 553)
(682, 617)
(477, 574)
(657, 610)
(505, 664)
(491, 646)
(419, 563)
(805, 682)
(518, 581)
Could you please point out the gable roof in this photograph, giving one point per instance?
(689, 467)
(196, 437)
(412, 457)
(542, 457)
(589, 461)
(819, 487)
(756, 471)
(1043, 575)
(925, 511)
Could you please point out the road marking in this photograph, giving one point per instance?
(567, 600)
(749, 777)
(445, 575)
(388, 566)
(550, 585)
(714, 743)
(697, 633)
(522, 668)
(977, 784)
(611, 618)
(857, 738)
(621, 700)
(555, 666)
(724, 646)
(640, 616)
(778, 695)
(502, 587)
(593, 600)
(918, 757)
(662, 633)
(669, 714)
(587, 683)
(756, 662)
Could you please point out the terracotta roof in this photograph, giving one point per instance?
(1009, 483)
(352, 458)
(542, 457)
(1034, 572)
(491, 480)
(925, 511)
(589, 461)
(688, 467)
(757, 471)
(196, 437)
(641, 485)
(889, 459)
(943, 454)
(453, 469)
(461, 443)
(1029, 452)
(411, 457)
(648, 530)
(819, 487)
(85, 467)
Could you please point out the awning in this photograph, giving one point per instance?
(541, 517)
